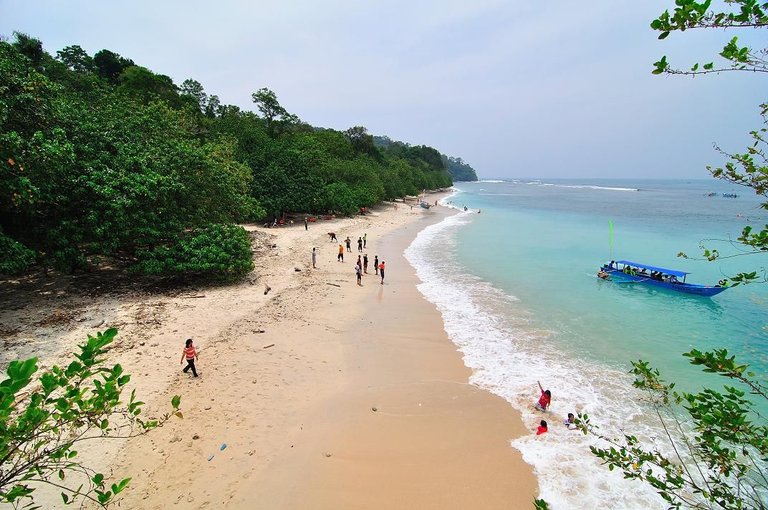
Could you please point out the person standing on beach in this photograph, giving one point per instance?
(544, 400)
(359, 273)
(365, 239)
(306, 223)
(190, 354)
(376, 264)
(314, 258)
(340, 257)
(365, 263)
(381, 271)
(360, 244)
(349, 244)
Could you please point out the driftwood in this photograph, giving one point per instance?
(268, 346)
(334, 284)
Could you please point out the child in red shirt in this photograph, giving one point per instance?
(190, 354)
(544, 399)
(542, 428)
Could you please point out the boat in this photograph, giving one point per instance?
(424, 205)
(626, 271)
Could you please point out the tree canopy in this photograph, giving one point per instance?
(105, 158)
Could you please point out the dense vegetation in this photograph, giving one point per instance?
(104, 159)
(457, 168)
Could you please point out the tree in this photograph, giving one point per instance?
(76, 59)
(45, 417)
(194, 89)
(749, 168)
(30, 47)
(689, 15)
(109, 65)
(145, 85)
(273, 113)
(718, 439)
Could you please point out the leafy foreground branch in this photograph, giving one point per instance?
(717, 442)
(44, 417)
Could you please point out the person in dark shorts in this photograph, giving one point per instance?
(190, 354)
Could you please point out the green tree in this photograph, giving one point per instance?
(45, 417)
(76, 59)
(748, 168)
(689, 15)
(718, 439)
(271, 110)
(110, 65)
(146, 86)
(194, 89)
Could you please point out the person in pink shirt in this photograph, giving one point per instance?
(190, 354)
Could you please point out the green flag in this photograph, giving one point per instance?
(610, 239)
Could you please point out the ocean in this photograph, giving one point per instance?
(514, 278)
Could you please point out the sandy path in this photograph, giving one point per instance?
(289, 381)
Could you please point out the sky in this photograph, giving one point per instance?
(516, 88)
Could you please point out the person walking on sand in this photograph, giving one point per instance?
(360, 244)
(544, 400)
(365, 263)
(190, 354)
(306, 223)
(359, 273)
(359, 263)
(348, 243)
(376, 264)
(381, 271)
(340, 257)
(332, 235)
(314, 258)
(365, 239)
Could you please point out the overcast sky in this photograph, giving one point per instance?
(517, 88)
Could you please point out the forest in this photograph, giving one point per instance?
(105, 160)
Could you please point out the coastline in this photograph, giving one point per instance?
(290, 380)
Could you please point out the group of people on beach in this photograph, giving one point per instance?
(545, 399)
(361, 266)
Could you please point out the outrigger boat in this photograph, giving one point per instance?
(625, 271)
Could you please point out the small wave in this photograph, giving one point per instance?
(584, 186)
(507, 354)
(491, 180)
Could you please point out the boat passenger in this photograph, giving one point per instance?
(602, 275)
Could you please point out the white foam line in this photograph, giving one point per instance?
(507, 355)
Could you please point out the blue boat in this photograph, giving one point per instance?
(626, 271)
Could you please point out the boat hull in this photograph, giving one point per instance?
(687, 288)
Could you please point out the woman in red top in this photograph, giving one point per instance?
(544, 399)
(542, 428)
(190, 354)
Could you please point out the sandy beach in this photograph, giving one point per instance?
(319, 394)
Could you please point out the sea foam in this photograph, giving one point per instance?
(507, 354)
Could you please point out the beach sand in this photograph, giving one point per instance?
(323, 394)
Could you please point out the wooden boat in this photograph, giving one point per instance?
(625, 271)
(424, 205)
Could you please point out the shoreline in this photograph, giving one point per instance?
(290, 380)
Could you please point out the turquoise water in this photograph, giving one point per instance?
(517, 290)
(544, 243)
